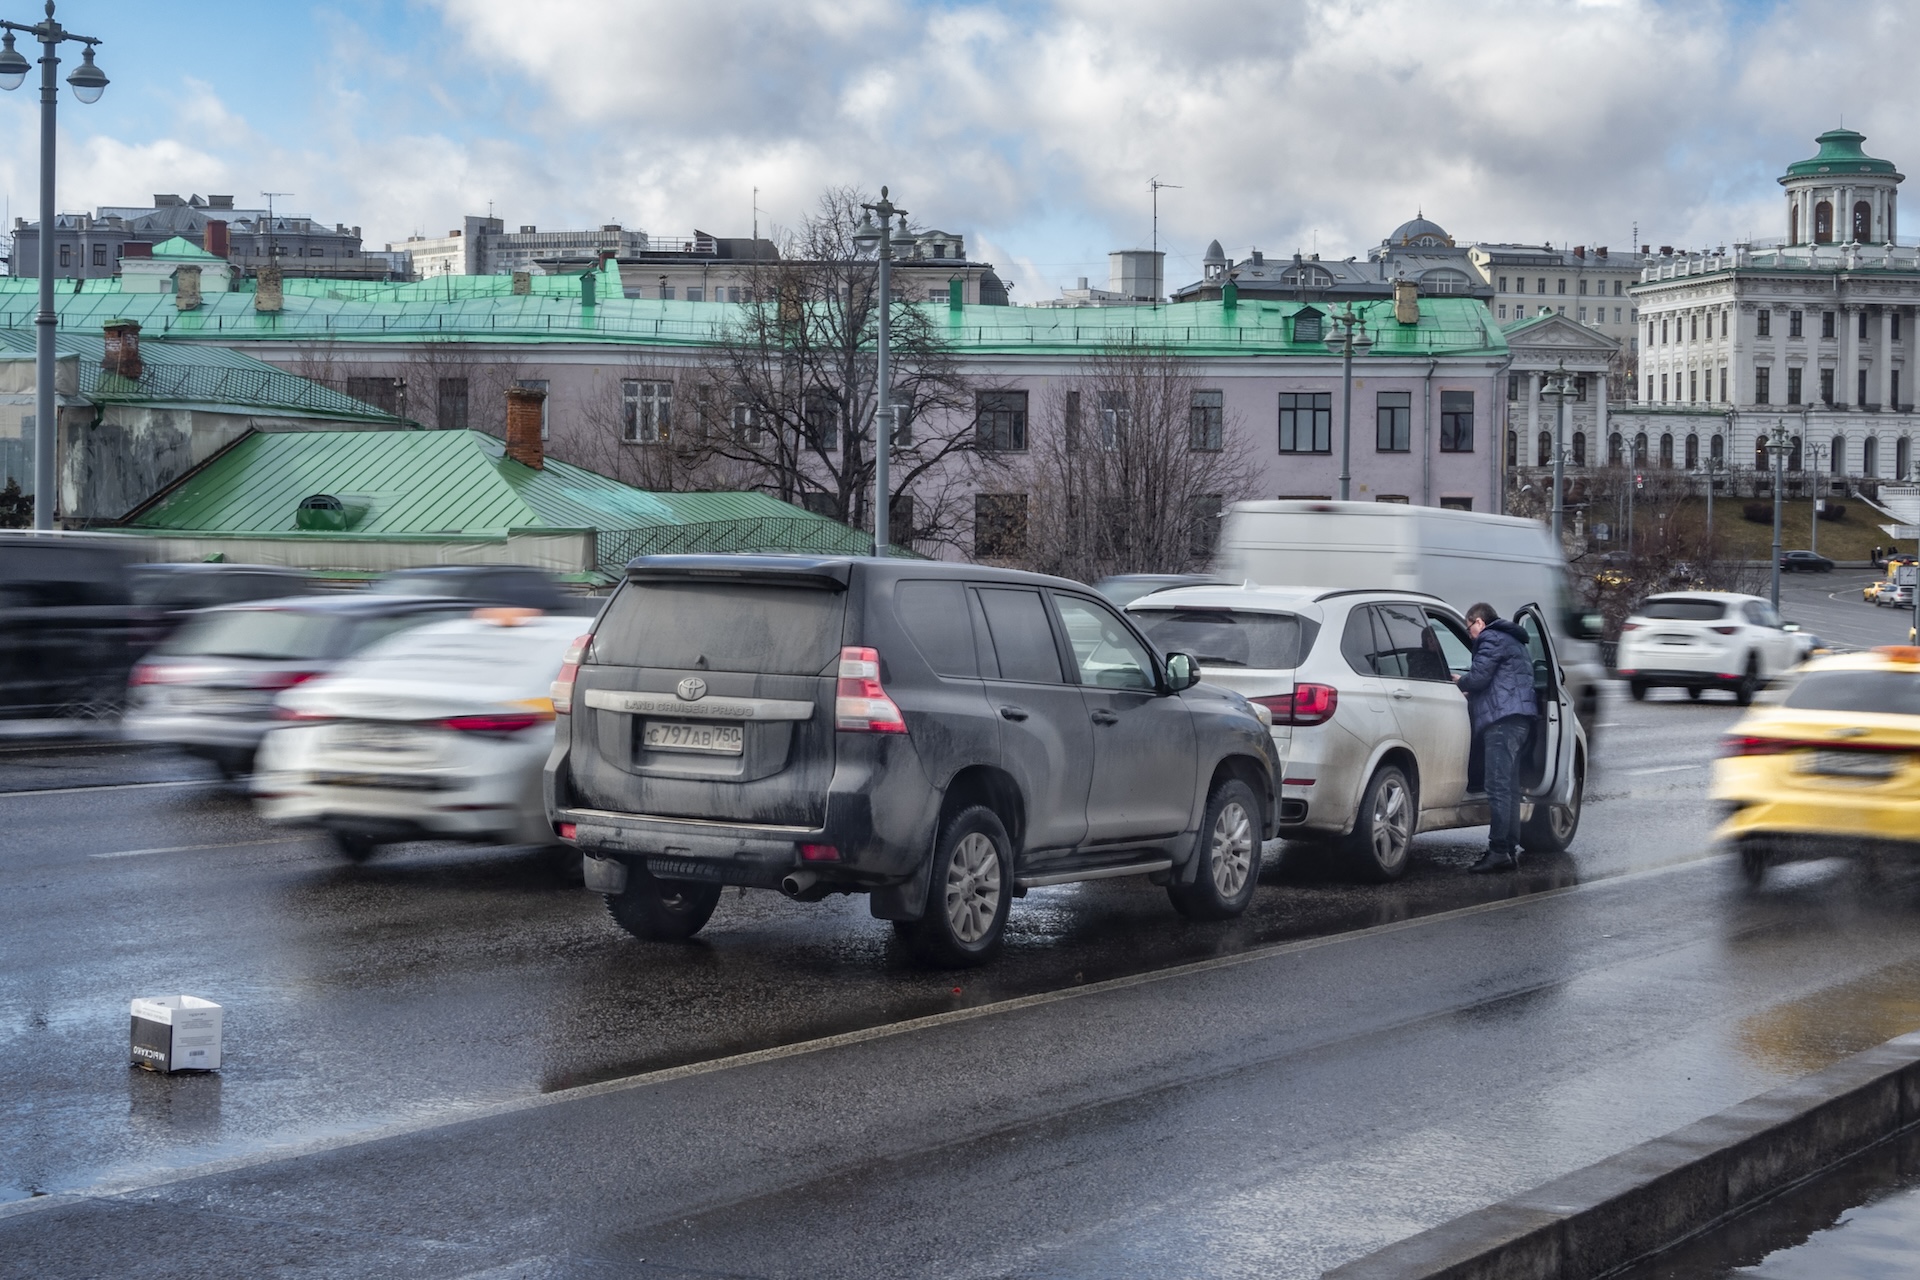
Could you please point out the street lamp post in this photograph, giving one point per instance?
(1559, 385)
(88, 83)
(1819, 467)
(1349, 338)
(883, 239)
(1777, 446)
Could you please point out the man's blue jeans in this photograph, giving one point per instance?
(1503, 741)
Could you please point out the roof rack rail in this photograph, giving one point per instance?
(1362, 591)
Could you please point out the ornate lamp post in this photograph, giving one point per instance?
(1349, 338)
(88, 83)
(1559, 385)
(883, 238)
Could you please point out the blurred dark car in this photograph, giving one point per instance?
(165, 594)
(209, 687)
(1806, 561)
(67, 624)
(519, 586)
(1124, 588)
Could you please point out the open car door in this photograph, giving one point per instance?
(1548, 757)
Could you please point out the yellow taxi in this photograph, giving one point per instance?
(1827, 764)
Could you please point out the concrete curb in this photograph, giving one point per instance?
(1597, 1220)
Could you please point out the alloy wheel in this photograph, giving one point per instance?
(1232, 851)
(1392, 822)
(973, 887)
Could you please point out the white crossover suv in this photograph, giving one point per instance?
(1699, 640)
(1373, 735)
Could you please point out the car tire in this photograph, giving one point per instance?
(1381, 844)
(1552, 827)
(1749, 683)
(1693, 693)
(1753, 863)
(1637, 690)
(657, 910)
(968, 893)
(354, 846)
(1227, 854)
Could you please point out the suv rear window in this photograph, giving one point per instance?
(1888, 692)
(270, 635)
(1224, 638)
(722, 626)
(1684, 610)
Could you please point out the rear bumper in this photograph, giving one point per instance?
(195, 730)
(1681, 677)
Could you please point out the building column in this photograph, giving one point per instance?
(1845, 375)
(1883, 361)
(1599, 441)
(1531, 442)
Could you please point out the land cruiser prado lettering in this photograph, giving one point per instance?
(939, 737)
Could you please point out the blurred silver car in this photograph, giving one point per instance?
(438, 733)
(209, 687)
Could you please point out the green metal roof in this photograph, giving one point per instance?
(181, 247)
(484, 307)
(200, 375)
(1840, 154)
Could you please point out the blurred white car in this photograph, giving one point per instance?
(1700, 640)
(437, 733)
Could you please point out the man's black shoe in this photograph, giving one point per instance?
(1494, 861)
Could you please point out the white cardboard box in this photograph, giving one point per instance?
(176, 1033)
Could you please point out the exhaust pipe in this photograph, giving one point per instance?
(796, 883)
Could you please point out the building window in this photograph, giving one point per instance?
(1663, 388)
(1513, 449)
(1693, 452)
(746, 425)
(382, 393)
(1580, 389)
(1793, 225)
(1456, 504)
(1306, 326)
(696, 293)
(1640, 449)
(1000, 426)
(1794, 377)
(1663, 329)
(1560, 285)
(646, 411)
(66, 255)
(450, 404)
(1860, 392)
(999, 525)
(1693, 386)
(1863, 326)
(1794, 455)
(1306, 422)
(1503, 311)
(1543, 450)
(1616, 316)
(1542, 287)
(1839, 455)
(1115, 418)
(1582, 316)
(1579, 448)
(1717, 450)
(1826, 324)
(1693, 327)
(1893, 388)
(1503, 284)
(1513, 387)
(1206, 422)
(1070, 419)
(1615, 448)
(1826, 387)
(1794, 321)
(1761, 462)
(1762, 385)
(542, 386)
(1862, 227)
(1896, 326)
(1666, 450)
(1456, 422)
(100, 258)
(1823, 223)
(1583, 287)
(1393, 421)
(821, 413)
(1902, 459)
(1616, 288)
(1764, 324)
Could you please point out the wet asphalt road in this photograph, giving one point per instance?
(1341, 1067)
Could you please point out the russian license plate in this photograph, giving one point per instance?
(1851, 764)
(684, 735)
(221, 699)
(377, 738)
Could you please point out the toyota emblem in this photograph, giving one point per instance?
(693, 688)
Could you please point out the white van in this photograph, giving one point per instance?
(1460, 556)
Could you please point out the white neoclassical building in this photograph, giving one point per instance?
(1814, 334)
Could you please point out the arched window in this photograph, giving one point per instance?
(1579, 448)
(1839, 455)
(1640, 449)
(1614, 449)
(1513, 448)
(1760, 460)
(1903, 459)
(1870, 457)
(1445, 280)
(1666, 448)
(1717, 451)
(1793, 224)
(1544, 452)
(1693, 452)
(1823, 223)
(1794, 455)
(1862, 222)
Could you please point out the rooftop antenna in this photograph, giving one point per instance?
(1155, 184)
(273, 248)
(756, 220)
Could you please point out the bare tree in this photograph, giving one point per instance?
(789, 393)
(1135, 469)
(647, 424)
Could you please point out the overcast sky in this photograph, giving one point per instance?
(1030, 127)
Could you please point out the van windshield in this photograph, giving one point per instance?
(722, 626)
(1226, 638)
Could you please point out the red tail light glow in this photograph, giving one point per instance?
(1735, 744)
(1629, 626)
(566, 830)
(562, 690)
(282, 679)
(1310, 704)
(860, 705)
(1726, 631)
(819, 853)
(495, 722)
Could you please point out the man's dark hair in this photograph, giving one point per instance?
(1483, 612)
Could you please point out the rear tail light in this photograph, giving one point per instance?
(860, 705)
(1629, 626)
(1726, 631)
(1310, 704)
(1748, 745)
(566, 830)
(146, 673)
(495, 722)
(288, 713)
(282, 679)
(562, 690)
(819, 853)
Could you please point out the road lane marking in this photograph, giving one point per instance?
(487, 1111)
(1666, 768)
(111, 786)
(190, 848)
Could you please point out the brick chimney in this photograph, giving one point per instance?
(122, 355)
(219, 242)
(1406, 302)
(266, 292)
(524, 411)
(186, 288)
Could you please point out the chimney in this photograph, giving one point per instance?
(1580, 251)
(1406, 302)
(525, 407)
(122, 355)
(219, 243)
(1646, 251)
(266, 290)
(522, 283)
(1601, 252)
(136, 249)
(186, 288)
(1666, 251)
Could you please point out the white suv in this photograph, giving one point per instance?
(1698, 640)
(1372, 733)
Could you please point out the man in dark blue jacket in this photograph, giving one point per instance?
(1500, 700)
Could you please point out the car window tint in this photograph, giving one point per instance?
(1455, 649)
(368, 631)
(1358, 644)
(1411, 642)
(1888, 692)
(722, 626)
(1022, 637)
(269, 635)
(1226, 638)
(1110, 656)
(935, 616)
(1683, 610)
(1537, 651)
(1764, 614)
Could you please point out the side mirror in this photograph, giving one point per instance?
(1183, 671)
(1789, 626)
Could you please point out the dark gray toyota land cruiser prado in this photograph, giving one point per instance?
(940, 737)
